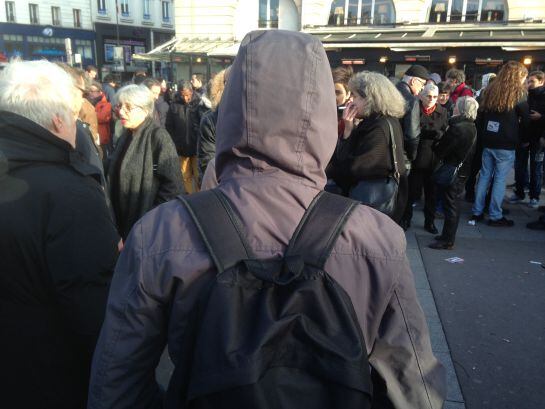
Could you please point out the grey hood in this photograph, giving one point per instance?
(278, 112)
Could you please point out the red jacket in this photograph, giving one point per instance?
(104, 115)
(461, 90)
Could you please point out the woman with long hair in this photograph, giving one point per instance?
(365, 152)
(503, 111)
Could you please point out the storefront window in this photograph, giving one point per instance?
(268, 13)
(455, 11)
(356, 12)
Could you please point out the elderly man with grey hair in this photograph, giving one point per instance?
(58, 245)
(456, 148)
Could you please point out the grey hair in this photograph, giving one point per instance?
(428, 88)
(185, 85)
(457, 75)
(382, 96)
(38, 91)
(468, 107)
(137, 95)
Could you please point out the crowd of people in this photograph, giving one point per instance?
(90, 172)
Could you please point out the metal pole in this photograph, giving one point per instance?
(117, 21)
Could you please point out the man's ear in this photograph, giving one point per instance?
(57, 124)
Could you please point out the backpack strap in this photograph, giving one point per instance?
(219, 227)
(319, 228)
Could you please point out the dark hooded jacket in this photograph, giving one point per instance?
(206, 146)
(270, 161)
(182, 122)
(142, 172)
(536, 128)
(58, 247)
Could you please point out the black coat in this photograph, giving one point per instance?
(432, 128)
(536, 128)
(58, 248)
(410, 123)
(458, 144)
(143, 171)
(206, 146)
(182, 122)
(503, 130)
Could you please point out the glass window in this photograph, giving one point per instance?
(33, 13)
(125, 8)
(77, 18)
(351, 12)
(493, 10)
(166, 11)
(10, 11)
(268, 13)
(366, 12)
(438, 11)
(336, 15)
(101, 6)
(56, 16)
(147, 14)
(456, 10)
(472, 10)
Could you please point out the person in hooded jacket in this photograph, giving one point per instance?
(270, 161)
(143, 170)
(58, 244)
(433, 123)
(182, 122)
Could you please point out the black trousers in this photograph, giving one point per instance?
(451, 207)
(420, 179)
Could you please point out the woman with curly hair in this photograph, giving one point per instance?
(365, 152)
(502, 113)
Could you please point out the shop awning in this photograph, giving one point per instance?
(189, 46)
(422, 37)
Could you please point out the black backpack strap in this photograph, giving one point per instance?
(219, 227)
(319, 228)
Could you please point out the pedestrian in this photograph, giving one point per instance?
(109, 87)
(103, 110)
(206, 143)
(444, 97)
(455, 79)
(411, 84)
(270, 161)
(456, 148)
(529, 146)
(58, 245)
(366, 154)
(182, 122)
(91, 72)
(433, 124)
(143, 170)
(502, 114)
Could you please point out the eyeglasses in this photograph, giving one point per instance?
(127, 108)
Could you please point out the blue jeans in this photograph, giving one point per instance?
(521, 171)
(495, 163)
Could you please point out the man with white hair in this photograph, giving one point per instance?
(58, 245)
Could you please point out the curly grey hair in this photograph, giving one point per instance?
(457, 75)
(382, 96)
(467, 107)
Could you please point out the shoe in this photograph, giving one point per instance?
(439, 238)
(533, 203)
(405, 224)
(537, 225)
(441, 245)
(477, 218)
(503, 222)
(430, 228)
(515, 199)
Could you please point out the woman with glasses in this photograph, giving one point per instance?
(433, 124)
(143, 171)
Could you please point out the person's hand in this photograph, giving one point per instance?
(535, 116)
(120, 245)
(349, 114)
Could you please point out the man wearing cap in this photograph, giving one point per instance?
(410, 86)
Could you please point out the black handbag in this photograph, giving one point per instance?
(380, 194)
(445, 174)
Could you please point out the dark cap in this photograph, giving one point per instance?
(418, 71)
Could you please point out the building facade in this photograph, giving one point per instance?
(379, 35)
(38, 29)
